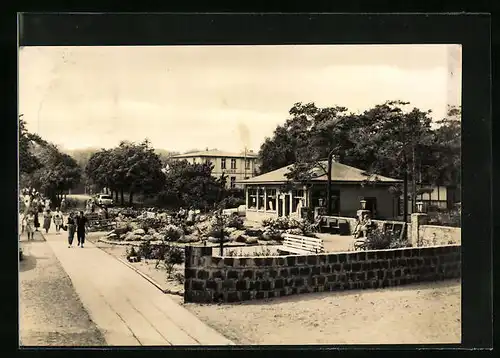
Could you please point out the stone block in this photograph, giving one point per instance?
(312, 260)
(326, 269)
(375, 265)
(242, 285)
(301, 260)
(231, 297)
(245, 295)
(284, 272)
(289, 282)
(279, 283)
(356, 267)
(280, 261)
(360, 276)
(271, 294)
(197, 285)
(295, 290)
(294, 271)
(233, 274)
(347, 267)
(397, 253)
(218, 274)
(249, 274)
(407, 253)
(304, 289)
(189, 273)
(381, 255)
(240, 262)
(203, 275)
(254, 285)
(322, 259)
(291, 260)
(316, 270)
(216, 261)
(337, 268)
(402, 262)
(258, 261)
(228, 285)
(371, 255)
(269, 261)
(229, 261)
(211, 284)
(273, 273)
(266, 285)
(342, 258)
(299, 282)
(333, 258)
(261, 295)
(259, 275)
(321, 280)
(361, 256)
(305, 271)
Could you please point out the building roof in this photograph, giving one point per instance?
(216, 153)
(340, 173)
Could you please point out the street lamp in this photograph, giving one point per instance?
(420, 207)
(363, 204)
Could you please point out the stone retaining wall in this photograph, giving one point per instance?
(440, 235)
(211, 279)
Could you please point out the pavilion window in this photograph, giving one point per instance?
(298, 195)
(271, 200)
(260, 199)
(252, 198)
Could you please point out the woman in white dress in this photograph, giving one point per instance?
(58, 220)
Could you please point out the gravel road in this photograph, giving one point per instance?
(50, 311)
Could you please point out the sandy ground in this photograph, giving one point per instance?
(414, 314)
(50, 311)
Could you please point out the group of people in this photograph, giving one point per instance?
(363, 225)
(35, 204)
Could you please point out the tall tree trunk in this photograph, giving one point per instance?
(116, 196)
(121, 197)
(130, 198)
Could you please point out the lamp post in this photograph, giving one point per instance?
(329, 183)
(420, 207)
(363, 204)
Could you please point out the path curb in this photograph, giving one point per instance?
(149, 279)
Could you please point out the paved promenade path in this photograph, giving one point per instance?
(126, 308)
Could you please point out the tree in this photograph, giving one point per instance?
(58, 173)
(189, 184)
(28, 162)
(131, 167)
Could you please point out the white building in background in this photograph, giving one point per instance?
(236, 166)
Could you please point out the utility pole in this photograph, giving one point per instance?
(329, 184)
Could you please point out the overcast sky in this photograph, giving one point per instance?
(222, 97)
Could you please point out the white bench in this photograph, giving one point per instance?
(299, 244)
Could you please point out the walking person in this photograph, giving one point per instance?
(81, 224)
(63, 205)
(30, 224)
(47, 219)
(36, 219)
(58, 220)
(71, 227)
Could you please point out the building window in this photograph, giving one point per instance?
(233, 182)
(252, 198)
(194, 160)
(247, 164)
(208, 161)
(223, 163)
(260, 202)
(271, 199)
(233, 163)
(298, 196)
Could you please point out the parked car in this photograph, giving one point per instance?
(104, 199)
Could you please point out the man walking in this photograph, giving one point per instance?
(81, 223)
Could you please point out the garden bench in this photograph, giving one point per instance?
(298, 244)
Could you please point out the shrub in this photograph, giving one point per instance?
(145, 250)
(174, 256)
(173, 233)
(236, 222)
(132, 253)
(380, 240)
